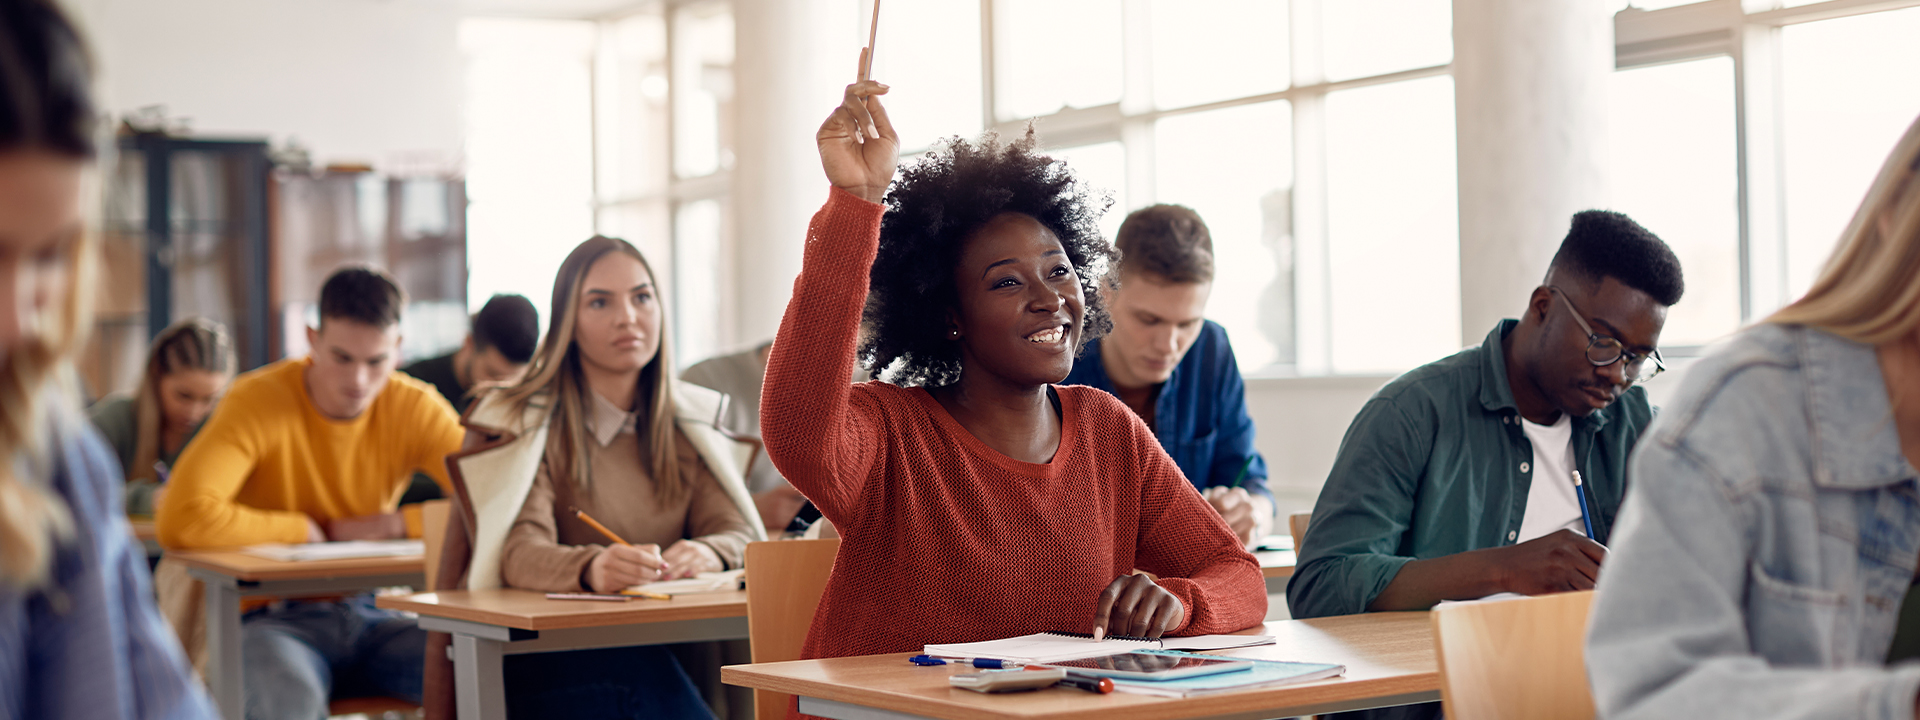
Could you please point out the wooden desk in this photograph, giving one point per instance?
(230, 575)
(1389, 657)
(489, 624)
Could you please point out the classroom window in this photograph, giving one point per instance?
(694, 291)
(1244, 191)
(1847, 97)
(701, 86)
(1674, 168)
(1056, 54)
(1393, 229)
(529, 152)
(1783, 110)
(631, 125)
(1206, 51)
(1196, 104)
(943, 100)
(1102, 167)
(1376, 37)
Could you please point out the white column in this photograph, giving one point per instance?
(1530, 79)
(791, 60)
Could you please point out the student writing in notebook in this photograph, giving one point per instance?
(976, 499)
(1457, 480)
(188, 367)
(1175, 368)
(313, 449)
(597, 426)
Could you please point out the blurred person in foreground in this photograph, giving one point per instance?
(80, 638)
(1766, 560)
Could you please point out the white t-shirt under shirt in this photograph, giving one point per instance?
(1551, 503)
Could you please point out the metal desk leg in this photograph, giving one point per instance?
(223, 645)
(478, 679)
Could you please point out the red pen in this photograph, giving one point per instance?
(1090, 684)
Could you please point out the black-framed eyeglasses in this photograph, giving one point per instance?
(1603, 350)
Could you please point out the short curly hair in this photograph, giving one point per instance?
(1603, 243)
(936, 203)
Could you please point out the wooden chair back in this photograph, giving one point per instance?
(1297, 527)
(1520, 658)
(784, 581)
(433, 523)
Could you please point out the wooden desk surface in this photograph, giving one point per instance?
(531, 610)
(1386, 654)
(258, 569)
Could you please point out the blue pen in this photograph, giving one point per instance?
(1580, 492)
(974, 661)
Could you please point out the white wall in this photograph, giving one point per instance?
(375, 81)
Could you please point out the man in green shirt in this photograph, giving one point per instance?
(1455, 481)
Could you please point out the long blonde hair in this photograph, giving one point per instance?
(1869, 290)
(191, 344)
(45, 73)
(555, 375)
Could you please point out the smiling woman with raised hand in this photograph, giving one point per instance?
(975, 498)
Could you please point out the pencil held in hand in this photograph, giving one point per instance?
(595, 524)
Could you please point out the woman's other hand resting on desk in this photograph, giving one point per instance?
(1135, 605)
(622, 566)
(688, 558)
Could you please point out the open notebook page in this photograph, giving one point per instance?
(1041, 648)
(338, 550)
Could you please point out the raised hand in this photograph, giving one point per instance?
(858, 147)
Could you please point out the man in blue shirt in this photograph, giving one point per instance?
(1175, 369)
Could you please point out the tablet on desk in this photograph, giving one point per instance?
(1148, 666)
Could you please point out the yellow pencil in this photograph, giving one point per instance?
(647, 595)
(584, 517)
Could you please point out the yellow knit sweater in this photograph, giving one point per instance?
(267, 460)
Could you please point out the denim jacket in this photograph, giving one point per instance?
(90, 645)
(1773, 529)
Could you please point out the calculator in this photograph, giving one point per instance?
(1000, 681)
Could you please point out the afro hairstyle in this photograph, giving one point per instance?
(934, 206)
(1603, 243)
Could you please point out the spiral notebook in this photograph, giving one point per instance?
(1264, 673)
(1049, 647)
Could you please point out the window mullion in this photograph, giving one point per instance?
(1763, 247)
(1313, 307)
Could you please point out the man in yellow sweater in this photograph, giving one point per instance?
(313, 449)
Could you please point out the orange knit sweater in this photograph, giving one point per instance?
(945, 539)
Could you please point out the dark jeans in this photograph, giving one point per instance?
(295, 657)
(624, 682)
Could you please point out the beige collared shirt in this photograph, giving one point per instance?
(548, 547)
